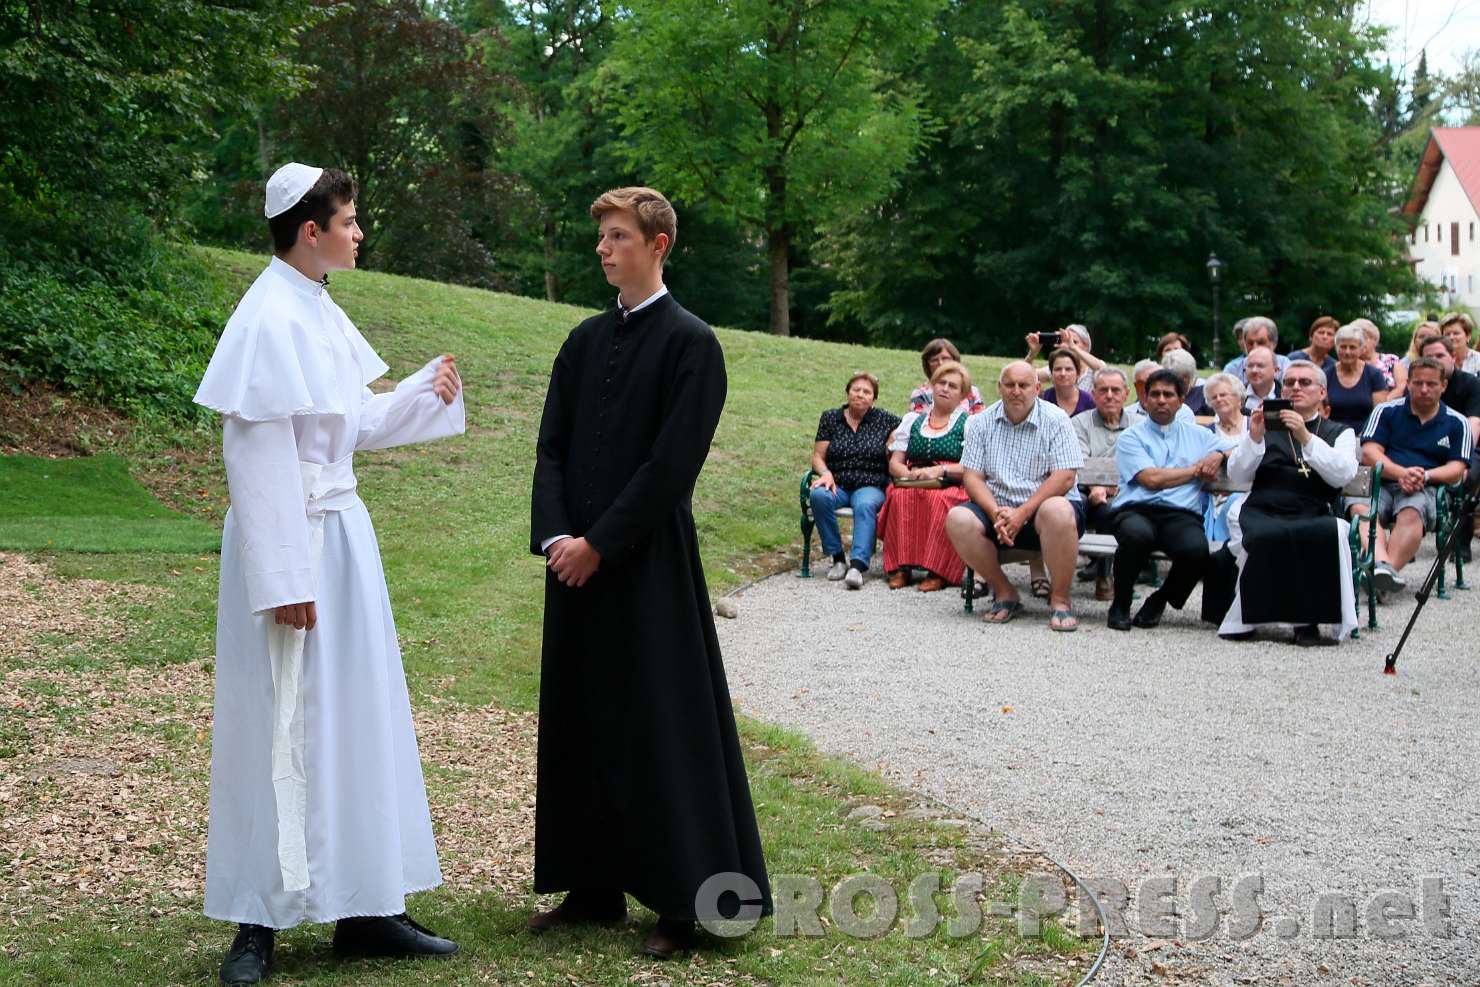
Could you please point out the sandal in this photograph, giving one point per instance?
(1040, 588)
(1008, 607)
(1063, 620)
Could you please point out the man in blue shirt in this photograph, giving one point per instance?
(1163, 464)
(1421, 444)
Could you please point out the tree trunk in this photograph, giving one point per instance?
(552, 286)
(780, 242)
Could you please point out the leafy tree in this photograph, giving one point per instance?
(777, 113)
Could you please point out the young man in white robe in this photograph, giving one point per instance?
(318, 811)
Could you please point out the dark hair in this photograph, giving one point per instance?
(863, 375)
(1426, 363)
(1449, 345)
(333, 191)
(1078, 364)
(1165, 376)
(933, 349)
(1169, 338)
(1322, 322)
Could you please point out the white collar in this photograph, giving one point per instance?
(662, 290)
(295, 277)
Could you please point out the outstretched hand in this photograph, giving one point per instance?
(446, 383)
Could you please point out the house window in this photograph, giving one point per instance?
(1454, 239)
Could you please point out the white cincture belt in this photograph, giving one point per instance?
(325, 488)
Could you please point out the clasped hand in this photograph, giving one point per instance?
(573, 561)
(1009, 521)
(1411, 479)
(927, 473)
(1206, 468)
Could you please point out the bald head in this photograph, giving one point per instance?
(1018, 385)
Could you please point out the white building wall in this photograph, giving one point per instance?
(1457, 274)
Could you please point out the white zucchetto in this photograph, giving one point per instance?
(287, 187)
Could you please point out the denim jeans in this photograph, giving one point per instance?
(865, 502)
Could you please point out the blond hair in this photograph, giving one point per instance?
(654, 212)
(953, 367)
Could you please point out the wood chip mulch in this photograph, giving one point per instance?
(105, 772)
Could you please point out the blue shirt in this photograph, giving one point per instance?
(1147, 445)
(1410, 442)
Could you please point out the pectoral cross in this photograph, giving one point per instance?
(1302, 469)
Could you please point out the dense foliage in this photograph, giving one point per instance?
(887, 170)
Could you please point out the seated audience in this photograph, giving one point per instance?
(1421, 444)
(1184, 364)
(1097, 431)
(926, 448)
(1163, 465)
(1072, 337)
(1460, 328)
(1225, 395)
(1421, 332)
(1140, 373)
(1260, 376)
(1021, 457)
(1168, 342)
(1259, 331)
(851, 459)
(1353, 387)
(1394, 374)
(935, 353)
(1322, 343)
(1462, 393)
(1063, 366)
(1289, 541)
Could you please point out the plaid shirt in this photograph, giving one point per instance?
(1016, 459)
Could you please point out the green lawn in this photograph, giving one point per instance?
(90, 505)
(453, 521)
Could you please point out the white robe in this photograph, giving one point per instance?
(1335, 464)
(316, 783)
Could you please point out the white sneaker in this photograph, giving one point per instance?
(1386, 578)
(854, 578)
(838, 571)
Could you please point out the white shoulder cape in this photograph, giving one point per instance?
(273, 361)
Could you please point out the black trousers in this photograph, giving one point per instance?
(1140, 530)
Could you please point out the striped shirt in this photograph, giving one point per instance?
(1410, 442)
(1016, 459)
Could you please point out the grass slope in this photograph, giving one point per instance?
(89, 505)
(452, 520)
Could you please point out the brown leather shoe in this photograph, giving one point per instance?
(931, 584)
(1104, 588)
(899, 579)
(581, 908)
(668, 937)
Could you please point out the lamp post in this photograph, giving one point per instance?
(1215, 274)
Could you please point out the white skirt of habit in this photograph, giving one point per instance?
(368, 831)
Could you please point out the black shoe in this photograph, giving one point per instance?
(1119, 618)
(1239, 636)
(668, 937)
(1150, 613)
(1463, 551)
(391, 935)
(250, 958)
(1309, 636)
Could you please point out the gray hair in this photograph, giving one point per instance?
(1181, 363)
(1320, 374)
(1262, 322)
(1353, 332)
(1221, 378)
(1239, 327)
(1369, 328)
(1106, 372)
(1081, 332)
(1142, 365)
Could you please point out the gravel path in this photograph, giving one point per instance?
(1165, 753)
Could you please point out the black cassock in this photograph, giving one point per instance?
(1288, 520)
(641, 782)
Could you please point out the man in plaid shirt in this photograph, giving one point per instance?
(1021, 458)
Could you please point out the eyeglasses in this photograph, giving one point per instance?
(1300, 382)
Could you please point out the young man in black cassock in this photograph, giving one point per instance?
(641, 786)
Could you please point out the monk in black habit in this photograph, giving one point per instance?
(1295, 566)
(641, 786)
